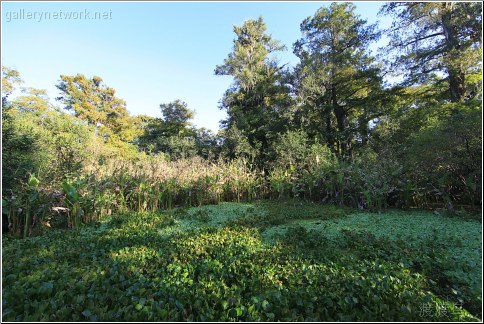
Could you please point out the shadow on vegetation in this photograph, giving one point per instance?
(146, 267)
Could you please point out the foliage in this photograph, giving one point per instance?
(293, 150)
(176, 115)
(10, 77)
(236, 145)
(430, 244)
(258, 101)
(148, 267)
(45, 142)
(25, 211)
(33, 100)
(21, 153)
(452, 169)
(337, 78)
(438, 147)
(329, 131)
(37, 140)
(432, 38)
(206, 143)
(94, 102)
(172, 134)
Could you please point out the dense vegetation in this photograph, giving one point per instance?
(333, 129)
(199, 264)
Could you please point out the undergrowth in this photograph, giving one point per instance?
(219, 263)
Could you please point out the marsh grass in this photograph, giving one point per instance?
(153, 183)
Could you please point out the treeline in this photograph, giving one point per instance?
(329, 129)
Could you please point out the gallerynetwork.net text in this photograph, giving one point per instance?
(39, 16)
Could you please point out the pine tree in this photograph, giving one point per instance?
(337, 79)
(438, 38)
(259, 96)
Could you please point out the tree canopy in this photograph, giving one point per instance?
(91, 100)
(258, 100)
(337, 77)
(438, 38)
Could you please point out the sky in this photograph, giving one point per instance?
(149, 52)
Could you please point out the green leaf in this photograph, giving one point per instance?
(266, 305)
(225, 304)
(33, 182)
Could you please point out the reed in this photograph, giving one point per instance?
(153, 183)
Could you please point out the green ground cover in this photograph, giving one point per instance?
(270, 260)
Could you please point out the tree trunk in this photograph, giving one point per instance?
(456, 75)
(456, 85)
(329, 131)
(342, 122)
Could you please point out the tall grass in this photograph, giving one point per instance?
(152, 183)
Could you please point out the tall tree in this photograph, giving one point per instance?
(96, 103)
(439, 38)
(259, 96)
(337, 77)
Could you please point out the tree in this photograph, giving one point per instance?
(336, 78)
(10, 77)
(235, 144)
(176, 117)
(206, 143)
(442, 38)
(294, 150)
(171, 134)
(258, 100)
(33, 100)
(434, 127)
(41, 140)
(96, 103)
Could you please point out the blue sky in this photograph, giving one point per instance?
(150, 52)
